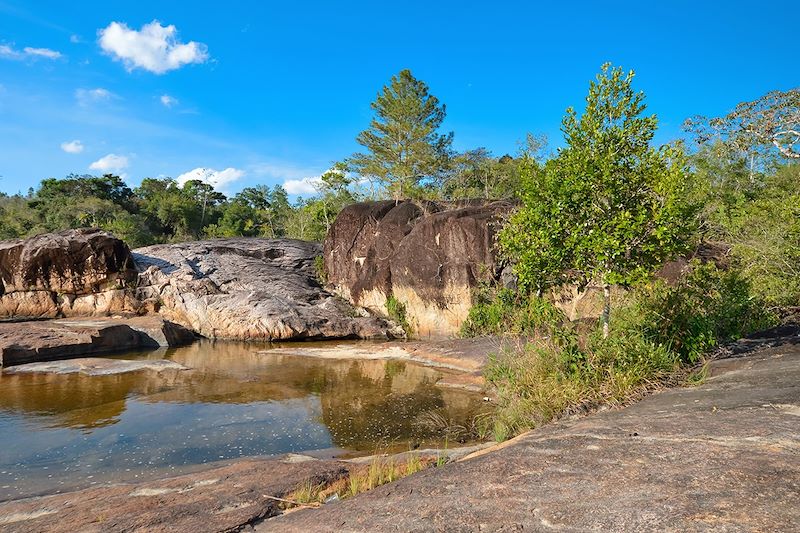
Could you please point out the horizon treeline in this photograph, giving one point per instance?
(742, 174)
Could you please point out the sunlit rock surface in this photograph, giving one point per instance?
(248, 289)
(722, 456)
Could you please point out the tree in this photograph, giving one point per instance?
(609, 208)
(403, 146)
(753, 128)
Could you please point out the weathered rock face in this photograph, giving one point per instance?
(248, 289)
(84, 272)
(428, 255)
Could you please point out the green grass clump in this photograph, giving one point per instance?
(396, 310)
(360, 479)
(319, 267)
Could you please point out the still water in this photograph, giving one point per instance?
(60, 432)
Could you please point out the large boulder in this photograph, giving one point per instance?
(428, 255)
(82, 272)
(248, 289)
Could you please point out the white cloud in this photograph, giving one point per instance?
(154, 48)
(75, 39)
(72, 147)
(168, 100)
(41, 52)
(89, 96)
(303, 186)
(218, 178)
(28, 52)
(110, 163)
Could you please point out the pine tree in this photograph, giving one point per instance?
(404, 150)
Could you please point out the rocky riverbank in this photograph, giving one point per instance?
(237, 289)
(720, 456)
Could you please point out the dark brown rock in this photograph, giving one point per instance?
(48, 340)
(83, 272)
(429, 256)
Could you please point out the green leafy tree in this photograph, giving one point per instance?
(754, 130)
(609, 208)
(404, 150)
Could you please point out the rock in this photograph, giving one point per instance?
(248, 289)
(94, 366)
(48, 340)
(225, 498)
(430, 256)
(719, 457)
(83, 272)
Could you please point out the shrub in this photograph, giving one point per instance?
(396, 310)
(706, 307)
(502, 312)
(658, 335)
(319, 267)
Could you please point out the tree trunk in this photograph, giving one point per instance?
(606, 308)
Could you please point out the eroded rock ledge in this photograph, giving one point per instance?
(47, 340)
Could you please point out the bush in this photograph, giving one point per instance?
(319, 267)
(657, 336)
(502, 312)
(706, 307)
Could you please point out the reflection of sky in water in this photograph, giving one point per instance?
(154, 436)
(65, 431)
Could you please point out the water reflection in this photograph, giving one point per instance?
(59, 431)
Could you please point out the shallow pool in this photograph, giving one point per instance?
(60, 432)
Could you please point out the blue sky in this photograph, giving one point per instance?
(269, 92)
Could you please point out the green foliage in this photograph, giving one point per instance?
(706, 307)
(477, 174)
(254, 212)
(757, 215)
(503, 312)
(610, 208)
(402, 143)
(161, 210)
(319, 267)
(312, 218)
(660, 332)
(396, 310)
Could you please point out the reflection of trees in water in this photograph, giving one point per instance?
(364, 411)
(70, 400)
(363, 402)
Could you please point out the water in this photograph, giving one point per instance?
(60, 432)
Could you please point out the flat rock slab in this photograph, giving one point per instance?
(222, 499)
(48, 340)
(95, 366)
(724, 456)
(466, 357)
